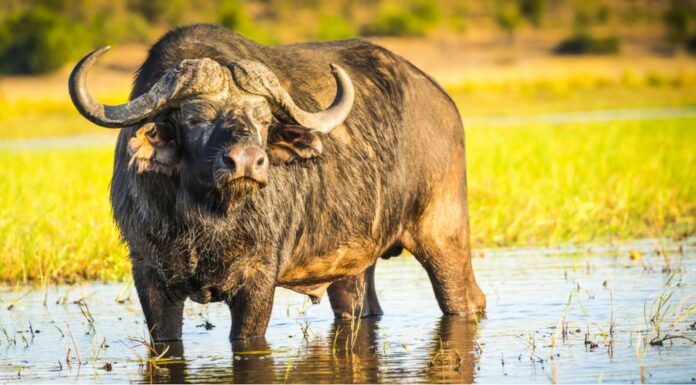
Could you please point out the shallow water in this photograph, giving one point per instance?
(521, 339)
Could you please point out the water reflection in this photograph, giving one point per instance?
(453, 354)
(347, 357)
(528, 292)
(347, 354)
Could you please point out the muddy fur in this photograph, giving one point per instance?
(361, 196)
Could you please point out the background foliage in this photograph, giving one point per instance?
(38, 36)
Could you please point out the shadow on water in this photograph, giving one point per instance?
(344, 357)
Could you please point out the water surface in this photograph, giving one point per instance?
(605, 337)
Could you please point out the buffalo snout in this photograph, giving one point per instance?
(246, 161)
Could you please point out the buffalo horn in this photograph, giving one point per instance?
(256, 78)
(190, 77)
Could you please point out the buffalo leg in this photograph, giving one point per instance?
(251, 309)
(163, 306)
(440, 242)
(452, 277)
(345, 294)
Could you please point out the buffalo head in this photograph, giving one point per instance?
(216, 126)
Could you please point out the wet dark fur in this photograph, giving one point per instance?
(181, 242)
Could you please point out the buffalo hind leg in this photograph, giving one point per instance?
(163, 306)
(345, 295)
(452, 277)
(440, 242)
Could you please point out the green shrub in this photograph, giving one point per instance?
(533, 10)
(589, 14)
(414, 19)
(35, 40)
(676, 20)
(425, 11)
(583, 43)
(233, 15)
(457, 19)
(392, 23)
(160, 11)
(106, 29)
(334, 27)
(508, 19)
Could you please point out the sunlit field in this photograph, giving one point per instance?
(547, 185)
(532, 182)
(26, 114)
(55, 220)
(529, 185)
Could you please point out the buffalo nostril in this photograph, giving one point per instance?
(228, 162)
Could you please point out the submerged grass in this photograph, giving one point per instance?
(528, 185)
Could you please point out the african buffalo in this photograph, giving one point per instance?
(226, 184)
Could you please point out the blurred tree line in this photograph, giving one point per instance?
(39, 36)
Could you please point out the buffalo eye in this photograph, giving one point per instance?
(152, 134)
(243, 134)
(193, 122)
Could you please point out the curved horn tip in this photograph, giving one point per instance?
(88, 60)
(335, 68)
(97, 52)
(100, 114)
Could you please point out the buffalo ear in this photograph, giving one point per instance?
(153, 149)
(289, 142)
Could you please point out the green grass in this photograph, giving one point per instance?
(48, 124)
(529, 185)
(55, 220)
(553, 184)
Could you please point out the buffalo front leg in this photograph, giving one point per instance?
(163, 306)
(345, 295)
(251, 308)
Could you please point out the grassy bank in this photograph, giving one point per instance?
(529, 185)
(552, 184)
(55, 220)
(543, 95)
